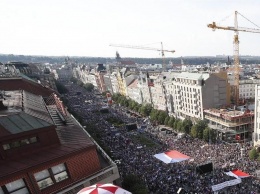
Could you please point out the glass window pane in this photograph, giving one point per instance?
(24, 142)
(41, 175)
(6, 146)
(1, 190)
(33, 139)
(15, 185)
(58, 168)
(45, 183)
(61, 176)
(21, 191)
(15, 144)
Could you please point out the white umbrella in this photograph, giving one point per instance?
(107, 188)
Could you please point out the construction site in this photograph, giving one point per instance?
(231, 125)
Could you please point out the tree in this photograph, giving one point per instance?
(89, 87)
(179, 125)
(134, 184)
(116, 97)
(161, 116)
(136, 108)
(186, 125)
(194, 132)
(175, 124)
(154, 114)
(166, 120)
(171, 122)
(61, 88)
(146, 109)
(206, 134)
(200, 126)
(253, 154)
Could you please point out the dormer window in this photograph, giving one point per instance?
(19, 143)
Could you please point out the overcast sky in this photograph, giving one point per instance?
(87, 27)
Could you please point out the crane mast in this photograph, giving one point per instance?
(236, 62)
(236, 30)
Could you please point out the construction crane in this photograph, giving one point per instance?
(236, 29)
(147, 48)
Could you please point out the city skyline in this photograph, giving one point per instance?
(66, 28)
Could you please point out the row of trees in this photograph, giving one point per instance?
(88, 86)
(254, 154)
(199, 130)
(134, 184)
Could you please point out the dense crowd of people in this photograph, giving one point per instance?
(136, 158)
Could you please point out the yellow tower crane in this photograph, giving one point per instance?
(236, 29)
(147, 48)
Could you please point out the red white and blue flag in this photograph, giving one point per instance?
(237, 174)
(172, 156)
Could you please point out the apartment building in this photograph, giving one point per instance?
(158, 93)
(197, 91)
(256, 136)
(247, 88)
(134, 92)
(121, 82)
(161, 93)
(114, 83)
(145, 84)
(170, 92)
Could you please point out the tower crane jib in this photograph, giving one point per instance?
(236, 30)
(147, 48)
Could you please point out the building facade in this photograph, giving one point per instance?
(134, 92)
(247, 88)
(197, 91)
(256, 136)
(231, 125)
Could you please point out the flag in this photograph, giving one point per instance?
(237, 174)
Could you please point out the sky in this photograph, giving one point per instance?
(88, 27)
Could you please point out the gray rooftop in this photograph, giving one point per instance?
(21, 122)
(193, 76)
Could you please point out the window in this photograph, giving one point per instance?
(51, 176)
(19, 143)
(15, 187)
(25, 142)
(33, 139)
(59, 172)
(15, 144)
(43, 179)
(6, 147)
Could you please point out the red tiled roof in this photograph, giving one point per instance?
(8, 167)
(133, 84)
(20, 83)
(73, 140)
(127, 62)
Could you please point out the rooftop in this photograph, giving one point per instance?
(229, 114)
(21, 122)
(193, 76)
(24, 83)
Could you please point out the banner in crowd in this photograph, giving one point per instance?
(225, 184)
(237, 174)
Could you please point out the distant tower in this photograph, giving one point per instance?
(228, 61)
(118, 58)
